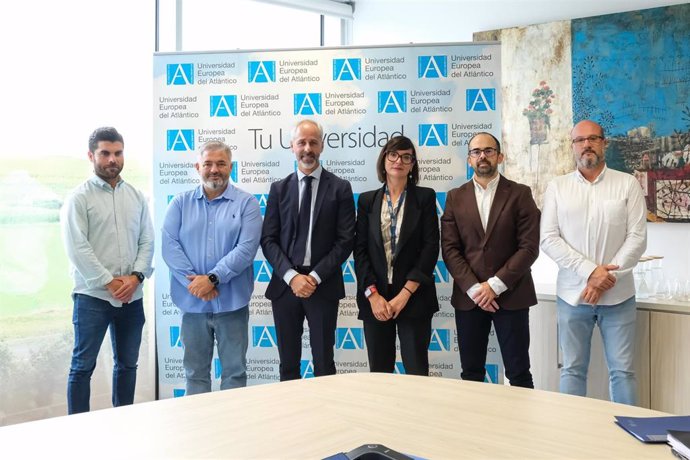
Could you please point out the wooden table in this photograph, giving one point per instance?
(429, 417)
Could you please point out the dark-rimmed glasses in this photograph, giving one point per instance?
(405, 158)
(488, 152)
(593, 139)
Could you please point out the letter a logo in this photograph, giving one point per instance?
(433, 135)
(307, 103)
(432, 66)
(224, 106)
(347, 69)
(480, 100)
(264, 336)
(392, 101)
(180, 140)
(262, 271)
(262, 71)
(180, 74)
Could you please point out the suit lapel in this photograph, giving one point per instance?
(375, 221)
(410, 218)
(324, 185)
(293, 200)
(469, 200)
(500, 200)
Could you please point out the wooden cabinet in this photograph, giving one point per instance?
(662, 357)
(670, 362)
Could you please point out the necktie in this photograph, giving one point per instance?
(303, 223)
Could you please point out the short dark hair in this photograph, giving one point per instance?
(107, 133)
(498, 144)
(393, 145)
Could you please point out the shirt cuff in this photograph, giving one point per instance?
(315, 276)
(497, 285)
(291, 273)
(473, 290)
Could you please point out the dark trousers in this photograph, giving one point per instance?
(512, 331)
(289, 312)
(414, 334)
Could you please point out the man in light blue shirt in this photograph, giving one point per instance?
(210, 238)
(108, 237)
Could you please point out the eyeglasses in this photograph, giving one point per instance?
(593, 139)
(405, 158)
(488, 152)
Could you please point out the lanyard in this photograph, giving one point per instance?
(394, 215)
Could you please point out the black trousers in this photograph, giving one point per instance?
(289, 312)
(512, 331)
(414, 334)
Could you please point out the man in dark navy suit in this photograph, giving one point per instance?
(308, 232)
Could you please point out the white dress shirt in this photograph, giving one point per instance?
(585, 224)
(485, 198)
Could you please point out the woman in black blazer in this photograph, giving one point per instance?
(396, 250)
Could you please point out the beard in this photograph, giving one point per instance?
(109, 172)
(589, 162)
(215, 182)
(485, 169)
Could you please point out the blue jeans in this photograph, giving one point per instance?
(198, 332)
(617, 326)
(91, 318)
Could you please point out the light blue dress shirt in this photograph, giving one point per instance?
(107, 232)
(220, 236)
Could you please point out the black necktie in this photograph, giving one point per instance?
(303, 223)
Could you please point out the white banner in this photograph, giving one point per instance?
(438, 95)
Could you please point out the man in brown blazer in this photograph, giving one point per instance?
(489, 241)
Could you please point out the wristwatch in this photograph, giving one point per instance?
(140, 276)
(213, 278)
(370, 290)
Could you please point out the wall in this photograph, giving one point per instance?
(405, 21)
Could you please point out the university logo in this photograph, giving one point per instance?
(399, 368)
(491, 373)
(348, 269)
(307, 104)
(349, 338)
(180, 140)
(432, 66)
(392, 101)
(470, 172)
(440, 202)
(264, 337)
(262, 71)
(441, 273)
(433, 135)
(170, 197)
(180, 74)
(262, 271)
(356, 197)
(217, 368)
(224, 106)
(262, 198)
(440, 340)
(178, 392)
(306, 368)
(347, 69)
(175, 337)
(480, 100)
(233, 172)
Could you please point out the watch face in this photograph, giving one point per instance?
(213, 279)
